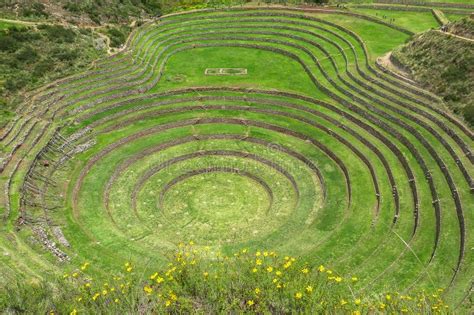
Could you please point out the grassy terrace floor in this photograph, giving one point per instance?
(314, 152)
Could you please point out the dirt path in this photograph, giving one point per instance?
(29, 23)
(387, 63)
(457, 36)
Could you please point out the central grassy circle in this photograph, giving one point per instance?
(217, 206)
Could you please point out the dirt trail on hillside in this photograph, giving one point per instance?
(387, 63)
(457, 36)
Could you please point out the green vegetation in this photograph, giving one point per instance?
(200, 281)
(413, 21)
(314, 151)
(445, 65)
(30, 57)
(117, 35)
(464, 28)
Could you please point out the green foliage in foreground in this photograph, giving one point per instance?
(197, 280)
(445, 65)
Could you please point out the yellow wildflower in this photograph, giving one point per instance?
(338, 279)
(104, 292)
(244, 250)
(84, 266)
(167, 303)
(278, 273)
(129, 269)
(250, 302)
(153, 276)
(116, 300)
(254, 270)
(205, 274)
(257, 291)
(388, 297)
(287, 265)
(357, 301)
(356, 313)
(298, 295)
(382, 306)
(265, 254)
(258, 262)
(96, 296)
(343, 302)
(321, 268)
(309, 289)
(329, 272)
(305, 270)
(354, 279)
(173, 297)
(269, 269)
(148, 290)
(191, 243)
(75, 275)
(258, 254)
(73, 312)
(65, 276)
(159, 280)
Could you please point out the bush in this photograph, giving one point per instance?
(17, 81)
(72, 7)
(468, 113)
(36, 9)
(59, 33)
(42, 67)
(8, 43)
(26, 55)
(117, 37)
(64, 54)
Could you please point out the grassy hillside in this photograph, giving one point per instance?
(82, 12)
(445, 65)
(32, 55)
(464, 28)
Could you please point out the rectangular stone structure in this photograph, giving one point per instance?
(225, 71)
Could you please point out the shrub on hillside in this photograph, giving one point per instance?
(117, 37)
(35, 9)
(58, 33)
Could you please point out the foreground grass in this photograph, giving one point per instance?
(197, 280)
